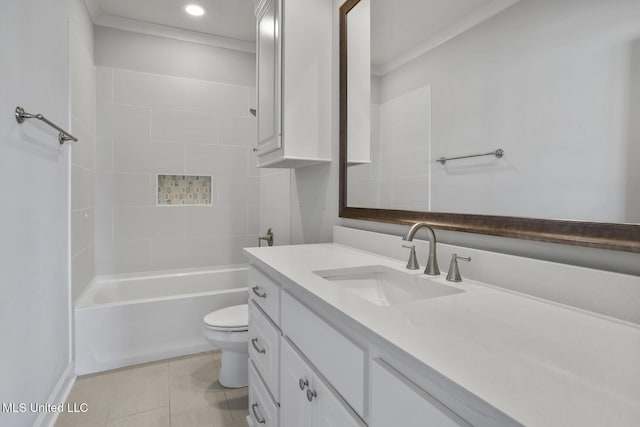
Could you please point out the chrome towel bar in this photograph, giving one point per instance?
(498, 153)
(63, 136)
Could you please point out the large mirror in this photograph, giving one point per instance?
(506, 117)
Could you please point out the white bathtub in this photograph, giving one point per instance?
(127, 319)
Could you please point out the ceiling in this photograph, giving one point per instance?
(401, 26)
(233, 19)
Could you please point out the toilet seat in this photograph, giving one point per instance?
(228, 319)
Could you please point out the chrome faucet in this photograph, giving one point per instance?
(432, 262)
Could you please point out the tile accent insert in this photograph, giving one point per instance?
(184, 190)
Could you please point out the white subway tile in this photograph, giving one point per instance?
(122, 189)
(215, 221)
(82, 225)
(148, 222)
(151, 157)
(104, 154)
(83, 270)
(122, 121)
(217, 98)
(275, 189)
(238, 131)
(238, 190)
(123, 256)
(216, 160)
(184, 126)
(81, 188)
(151, 90)
(103, 223)
(104, 85)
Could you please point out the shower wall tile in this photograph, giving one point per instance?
(238, 131)
(122, 256)
(148, 222)
(150, 125)
(82, 224)
(238, 191)
(104, 154)
(278, 219)
(122, 189)
(150, 157)
(103, 223)
(274, 189)
(82, 270)
(222, 160)
(184, 190)
(104, 85)
(122, 121)
(184, 126)
(216, 221)
(81, 188)
(217, 98)
(253, 220)
(150, 90)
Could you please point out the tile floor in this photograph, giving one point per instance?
(180, 392)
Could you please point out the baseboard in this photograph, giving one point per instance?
(57, 397)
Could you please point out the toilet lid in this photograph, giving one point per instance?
(234, 318)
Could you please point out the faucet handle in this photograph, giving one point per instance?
(412, 264)
(454, 271)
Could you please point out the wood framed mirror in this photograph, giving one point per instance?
(615, 221)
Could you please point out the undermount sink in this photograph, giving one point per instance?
(384, 286)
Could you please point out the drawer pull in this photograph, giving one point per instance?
(255, 414)
(311, 394)
(255, 290)
(254, 343)
(303, 384)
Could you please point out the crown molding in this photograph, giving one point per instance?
(135, 26)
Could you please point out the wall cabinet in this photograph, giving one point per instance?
(293, 82)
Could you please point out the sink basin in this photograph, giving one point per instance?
(384, 286)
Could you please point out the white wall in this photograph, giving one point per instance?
(34, 219)
(158, 117)
(548, 82)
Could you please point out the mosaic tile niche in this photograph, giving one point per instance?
(184, 190)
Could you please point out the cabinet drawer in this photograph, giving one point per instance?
(264, 348)
(338, 359)
(262, 409)
(266, 293)
(397, 401)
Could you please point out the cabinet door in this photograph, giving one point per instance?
(268, 76)
(329, 410)
(297, 376)
(396, 401)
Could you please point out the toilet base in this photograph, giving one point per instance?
(234, 372)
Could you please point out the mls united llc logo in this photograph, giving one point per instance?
(23, 407)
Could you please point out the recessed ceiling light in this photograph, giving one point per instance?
(194, 9)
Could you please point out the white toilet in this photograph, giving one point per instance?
(228, 330)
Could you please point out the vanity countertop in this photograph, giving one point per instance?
(539, 362)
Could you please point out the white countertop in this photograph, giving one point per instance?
(541, 363)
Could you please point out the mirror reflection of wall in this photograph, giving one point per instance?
(554, 83)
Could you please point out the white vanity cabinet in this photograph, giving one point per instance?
(328, 375)
(293, 82)
(307, 401)
(411, 407)
(264, 349)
